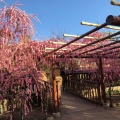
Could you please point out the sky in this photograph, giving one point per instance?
(64, 16)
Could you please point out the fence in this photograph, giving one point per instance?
(47, 97)
(87, 85)
(112, 82)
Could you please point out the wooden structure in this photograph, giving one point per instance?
(83, 85)
(94, 90)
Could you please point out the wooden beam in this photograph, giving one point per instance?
(102, 80)
(54, 88)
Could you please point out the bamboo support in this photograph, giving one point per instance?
(114, 2)
(63, 43)
(102, 81)
(97, 25)
(75, 36)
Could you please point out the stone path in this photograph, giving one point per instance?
(75, 108)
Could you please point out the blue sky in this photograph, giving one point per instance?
(64, 16)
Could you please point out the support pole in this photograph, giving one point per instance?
(54, 89)
(72, 73)
(102, 82)
(72, 68)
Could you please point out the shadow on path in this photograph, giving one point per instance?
(75, 108)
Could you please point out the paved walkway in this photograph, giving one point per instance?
(75, 108)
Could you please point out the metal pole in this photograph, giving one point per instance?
(114, 47)
(113, 20)
(103, 46)
(110, 52)
(99, 40)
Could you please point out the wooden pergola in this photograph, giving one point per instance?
(109, 50)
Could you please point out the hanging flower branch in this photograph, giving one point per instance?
(19, 74)
(15, 25)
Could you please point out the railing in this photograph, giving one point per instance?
(47, 97)
(112, 81)
(84, 84)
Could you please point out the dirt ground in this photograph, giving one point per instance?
(75, 108)
(35, 114)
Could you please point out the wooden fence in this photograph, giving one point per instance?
(87, 85)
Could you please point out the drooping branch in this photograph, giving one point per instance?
(15, 25)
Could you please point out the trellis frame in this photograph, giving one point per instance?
(111, 20)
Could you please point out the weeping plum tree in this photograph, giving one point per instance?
(15, 25)
(18, 57)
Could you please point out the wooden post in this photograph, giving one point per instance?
(72, 83)
(102, 82)
(54, 90)
(110, 85)
(98, 89)
(72, 65)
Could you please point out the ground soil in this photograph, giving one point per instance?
(75, 108)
